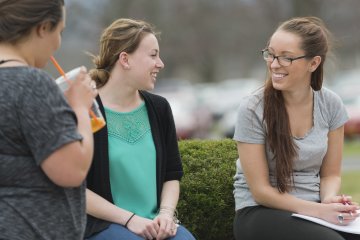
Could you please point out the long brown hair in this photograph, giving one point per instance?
(123, 35)
(314, 42)
(19, 17)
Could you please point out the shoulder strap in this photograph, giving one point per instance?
(9, 60)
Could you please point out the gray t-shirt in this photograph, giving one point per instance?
(35, 120)
(329, 114)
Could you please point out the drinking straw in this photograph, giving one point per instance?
(57, 66)
(61, 71)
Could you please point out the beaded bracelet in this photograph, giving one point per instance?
(170, 211)
(127, 222)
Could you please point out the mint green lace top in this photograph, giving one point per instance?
(132, 160)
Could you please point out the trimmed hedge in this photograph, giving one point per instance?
(206, 205)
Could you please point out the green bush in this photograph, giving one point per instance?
(206, 205)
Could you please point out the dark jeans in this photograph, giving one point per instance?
(119, 232)
(259, 223)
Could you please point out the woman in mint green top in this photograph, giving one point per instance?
(132, 159)
(133, 184)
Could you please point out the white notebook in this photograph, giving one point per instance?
(353, 227)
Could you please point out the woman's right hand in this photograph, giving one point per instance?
(81, 92)
(69, 164)
(143, 227)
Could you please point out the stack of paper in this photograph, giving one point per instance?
(353, 227)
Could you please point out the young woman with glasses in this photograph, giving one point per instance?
(290, 139)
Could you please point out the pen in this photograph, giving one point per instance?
(345, 202)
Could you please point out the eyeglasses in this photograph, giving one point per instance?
(283, 61)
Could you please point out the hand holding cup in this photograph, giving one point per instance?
(80, 92)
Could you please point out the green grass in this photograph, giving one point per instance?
(351, 184)
(352, 148)
(351, 179)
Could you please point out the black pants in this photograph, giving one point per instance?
(259, 223)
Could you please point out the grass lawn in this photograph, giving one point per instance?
(351, 184)
(352, 148)
(351, 179)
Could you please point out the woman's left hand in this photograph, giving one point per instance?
(167, 226)
(344, 199)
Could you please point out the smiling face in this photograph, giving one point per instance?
(145, 63)
(298, 74)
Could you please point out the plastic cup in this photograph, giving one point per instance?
(97, 119)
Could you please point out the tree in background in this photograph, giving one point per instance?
(211, 40)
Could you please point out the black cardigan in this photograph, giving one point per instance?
(168, 162)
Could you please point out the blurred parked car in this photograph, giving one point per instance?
(191, 119)
(223, 100)
(352, 126)
(224, 96)
(348, 84)
(348, 88)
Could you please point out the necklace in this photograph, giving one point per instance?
(10, 60)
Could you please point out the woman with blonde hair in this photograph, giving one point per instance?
(133, 183)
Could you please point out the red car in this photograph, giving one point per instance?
(352, 126)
